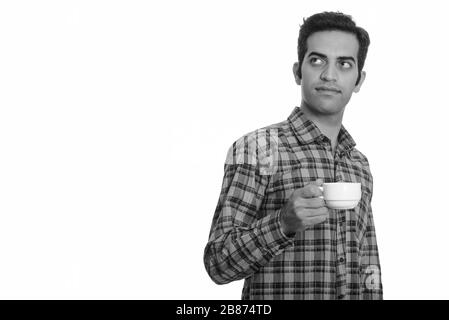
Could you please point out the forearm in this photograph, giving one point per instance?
(241, 251)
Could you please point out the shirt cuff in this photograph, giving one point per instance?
(272, 238)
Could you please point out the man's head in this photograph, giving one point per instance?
(331, 55)
(333, 21)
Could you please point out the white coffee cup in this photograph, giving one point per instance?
(342, 195)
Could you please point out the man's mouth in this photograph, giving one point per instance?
(325, 89)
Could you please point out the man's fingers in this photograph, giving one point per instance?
(316, 220)
(312, 190)
(309, 202)
(322, 211)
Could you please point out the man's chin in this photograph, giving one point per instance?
(325, 108)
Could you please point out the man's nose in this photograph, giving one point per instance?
(329, 73)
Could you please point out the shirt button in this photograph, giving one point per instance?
(341, 260)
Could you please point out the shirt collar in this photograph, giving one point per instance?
(307, 132)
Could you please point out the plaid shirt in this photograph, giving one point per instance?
(336, 259)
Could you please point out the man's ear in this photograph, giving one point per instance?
(359, 85)
(296, 73)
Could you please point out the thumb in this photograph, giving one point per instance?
(313, 189)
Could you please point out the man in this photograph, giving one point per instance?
(271, 226)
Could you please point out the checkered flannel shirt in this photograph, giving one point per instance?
(337, 259)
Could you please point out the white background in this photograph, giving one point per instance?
(116, 116)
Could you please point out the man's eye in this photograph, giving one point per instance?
(345, 65)
(316, 61)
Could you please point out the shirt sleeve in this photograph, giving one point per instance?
(242, 239)
(370, 267)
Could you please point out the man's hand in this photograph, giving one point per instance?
(305, 208)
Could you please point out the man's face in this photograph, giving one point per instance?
(329, 71)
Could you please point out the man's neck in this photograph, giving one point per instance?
(329, 125)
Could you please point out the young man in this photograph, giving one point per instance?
(271, 226)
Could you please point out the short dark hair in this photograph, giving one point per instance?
(331, 21)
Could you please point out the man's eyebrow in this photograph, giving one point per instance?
(314, 53)
(347, 58)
